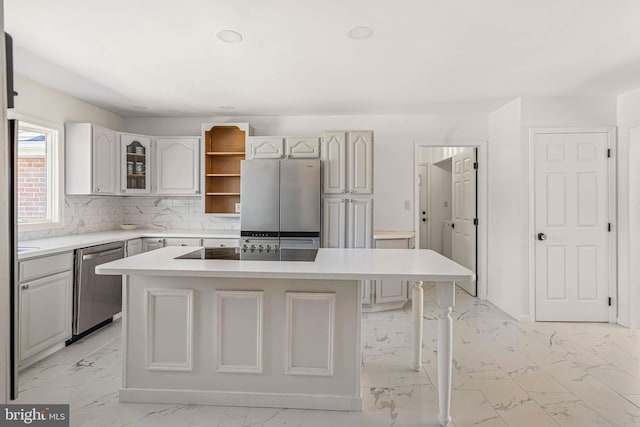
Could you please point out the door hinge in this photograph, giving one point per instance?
(475, 165)
(475, 221)
(608, 152)
(609, 226)
(609, 301)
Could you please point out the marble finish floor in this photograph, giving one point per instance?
(506, 373)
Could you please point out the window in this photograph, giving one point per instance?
(39, 179)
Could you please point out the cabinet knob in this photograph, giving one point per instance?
(97, 189)
(25, 286)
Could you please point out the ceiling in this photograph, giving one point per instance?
(162, 57)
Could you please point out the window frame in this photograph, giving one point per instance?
(55, 171)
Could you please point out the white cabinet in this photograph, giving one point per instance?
(348, 162)
(134, 247)
(264, 147)
(91, 159)
(390, 290)
(221, 243)
(360, 223)
(177, 164)
(302, 147)
(366, 292)
(334, 162)
(152, 243)
(176, 241)
(360, 162)
(334, 223)
(391, 293)
(135, 164)
(45, 304)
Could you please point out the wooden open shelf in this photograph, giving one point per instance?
(224, 149)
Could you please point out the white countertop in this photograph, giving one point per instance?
(337, 264)
(391, 235)
(71, 242)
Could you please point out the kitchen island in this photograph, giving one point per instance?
(266, 333)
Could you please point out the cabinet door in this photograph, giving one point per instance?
(45, 313)
(360, 224)
(182, 242)
(360, 162)
(135, 155)
(134, 247)
(151, 244)
(264, 147)
(104, 154)
(334, 162)
(177, 166)
(334, 223)
(221, 243)
(366, 292)
(302, 147)
(390, 290)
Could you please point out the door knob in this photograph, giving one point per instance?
(542, 236)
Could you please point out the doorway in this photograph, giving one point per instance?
(447, 209)
(573, 238)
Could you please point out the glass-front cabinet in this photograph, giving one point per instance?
(135, 152)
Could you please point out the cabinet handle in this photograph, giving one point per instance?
(97, 189)
(25, 286)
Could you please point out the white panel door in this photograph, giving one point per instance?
(104, 153)
(264, 147)
(390, 290)
(360, 224)
(177, 165)
(302, 147)
(134, 247)
(571, 226)
(360, 162)
(334, 217)
(463, 245)
(45, 313)
(334, 163)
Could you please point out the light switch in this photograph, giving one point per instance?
(407, 205)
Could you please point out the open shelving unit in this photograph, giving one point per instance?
(224, 149)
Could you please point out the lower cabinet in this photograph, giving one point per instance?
(366, 292)
(390, 290)
(134, 247)
(45, 313)
(152, 243)
(221, 243)
(173, 241)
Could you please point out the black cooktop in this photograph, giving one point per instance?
(308, 255)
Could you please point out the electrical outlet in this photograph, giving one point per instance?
(237, 207)
(407, 205)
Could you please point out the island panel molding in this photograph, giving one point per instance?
(239, 331)
(170, 312)
(310, 319)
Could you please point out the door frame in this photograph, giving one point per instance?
(481, 201)
(427, 166)
(611, 206)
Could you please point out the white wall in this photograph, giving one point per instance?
(628, 157)
(393, 153)
(440, 194)
(509, 210)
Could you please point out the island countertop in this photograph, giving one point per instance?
(335, 264)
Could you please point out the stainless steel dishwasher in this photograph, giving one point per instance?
(96, 298)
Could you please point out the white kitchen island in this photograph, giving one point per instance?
(266, 333)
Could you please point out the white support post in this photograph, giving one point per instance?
(445, 293)
(417, 310)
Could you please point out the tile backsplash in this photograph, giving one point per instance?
(86, 214)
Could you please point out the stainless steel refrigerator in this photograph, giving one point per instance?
(280, 202)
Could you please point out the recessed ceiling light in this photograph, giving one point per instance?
(229, 36)
(360, 33)
(139, 107)
(227, 107)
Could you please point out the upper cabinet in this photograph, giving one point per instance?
(224, 149)
(264, 147)
(360, 162)
(135, 164)
(334, 162)
(348, 162)
(177, 164)
(91, 159)
(302, 147)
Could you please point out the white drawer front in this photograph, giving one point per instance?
(182, 242)
(40, 267)
(221, 243)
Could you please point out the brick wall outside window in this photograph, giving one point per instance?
(32, 188)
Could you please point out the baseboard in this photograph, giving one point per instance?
(234, 398)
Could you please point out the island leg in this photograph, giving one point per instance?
(417, 309)
(445, 292)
